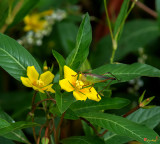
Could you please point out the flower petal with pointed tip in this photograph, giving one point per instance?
(65, 85)
(26, 81)
(32, 73)
(46, 77)
(79, 95)
(92, 94)
(37, 89)
(49, 88)
(70, 74)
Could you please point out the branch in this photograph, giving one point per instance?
(94, 129)
(146, 9)
(58, 127)
(131, 111)
(32, 115)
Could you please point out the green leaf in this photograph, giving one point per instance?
(14, 58)
(4, 7)
(69, 114)
(121, 17)
(136, 34)
(82, 140)
(6, 127)
(126, 72)
(158, 11)
(27, 6)
(121, 126)
(64, 100)
(147, 117)
(5, 141)
(66, 35)
(14, 135)
(105, 104)
(141, 97)
(81, 51)
(61, 62)
(87, 129)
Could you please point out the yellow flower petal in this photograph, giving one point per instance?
(65, 85)
(26, 82)
(32, 73)
(46, 77)
(92, 94)
(38, 89)
(49, 88)
(70, 74)
(26, 19)
(45, 13)
(79, 95)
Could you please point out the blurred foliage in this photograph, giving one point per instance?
(82, 47)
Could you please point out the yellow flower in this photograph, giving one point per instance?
(41, 83)
(35, 22)
(71, 82)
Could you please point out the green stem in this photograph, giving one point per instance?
(108, 19)
(33, 103)
(58, 127)
(113, 51)
(114, 42)
(115, 39)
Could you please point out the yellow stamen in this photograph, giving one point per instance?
(40, 83)
(79, 84)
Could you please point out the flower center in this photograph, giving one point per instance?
(79, 84)
(39, 83)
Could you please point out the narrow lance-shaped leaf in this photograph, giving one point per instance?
(106, 103)
(14, 58)
(26, 7)
(158, 11)
(81, 51)
(4, 8)
(121, 126)
(121, 17)
(61, 62)
(7, 127)
(64, 100)
(135, 35)
(14, 135)
(126, 72)
(82, 140)
(147, 117)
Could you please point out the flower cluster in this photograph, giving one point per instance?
(71, 82)
(38, 25)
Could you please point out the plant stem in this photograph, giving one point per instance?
(114, 43)
(113, 51)
(131, 111)
(108, 19)
(11, 15)
(38, 140)
(58, 127)
(146, 9)
(32, 115)
(38, 103)
(94, 129)
(54, 130)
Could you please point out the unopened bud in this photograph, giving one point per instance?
(45, 68)
(45, 140)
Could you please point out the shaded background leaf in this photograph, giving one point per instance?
(14, 58)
